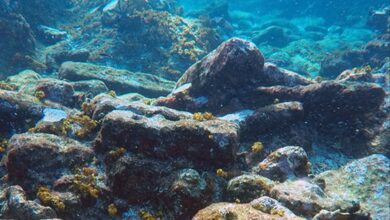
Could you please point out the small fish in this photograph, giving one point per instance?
(111, 5)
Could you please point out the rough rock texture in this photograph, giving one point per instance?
(308, 199)
(285, 163)
(18, 111)
(14, 204)
(253, 211)
(215, 83)
(122, 81)
(41, 158)
(25, 81)
(90, 87)
(126, 173)
(212, 141)
(268, 118)
(248, 187)
(57, 91)
(365, 180)
(103, 104)
(16, 35)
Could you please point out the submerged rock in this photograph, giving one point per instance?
(25, 81)
(14, 204)
(308, 199)
(42, 158)
(209, 142)
(246, 187)
(18, 111)
(365, 180)
(285, 163)
(216, 83)
(57, 91)
(262, 209)
(122, 81)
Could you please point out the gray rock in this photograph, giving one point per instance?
(308, 199)
(90, 87)
(212, 141)
(285, 163)
(14, 205)
(122, 81)
(34, 159)
(248, 187)
(365, 180)
(18, 112)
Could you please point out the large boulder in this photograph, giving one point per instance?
(18, 112)
(16, 35)
(247, 187)
(220, 81)
(263, 208)
(207, 142)
(308, 199)
(34, 159)
(122, 81)
(365, 180)
(285, 163)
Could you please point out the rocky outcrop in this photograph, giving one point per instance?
(122, 81)
(308, 199)
(57, 91)
(373, 54)
(247, 187)
(33, 159)
(285, 163)
(14, 204)
(215, 83)
(259, 209)
(365, 180)
(207, 142)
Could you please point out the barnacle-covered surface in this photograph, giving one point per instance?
(183, 109)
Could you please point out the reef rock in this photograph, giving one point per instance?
(261, 209)
(18, 111)
(14, 204)
(271, 117)
(216, 83)
(274, 36)
(373, 54)
(90, 87)
(16, 35)
(187, 191)
(285, 163)
(57, 91)
(25, 81)
(308, 199)
(365, 180)
(209, 142)
(247, 187)
(103, 104)
(121, 81)
(33, 159)
(136, 179)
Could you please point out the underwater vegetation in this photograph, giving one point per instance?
(203, 110)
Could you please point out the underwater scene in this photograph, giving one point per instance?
(195, 109)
